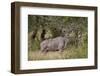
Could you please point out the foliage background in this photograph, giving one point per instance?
(41, 27)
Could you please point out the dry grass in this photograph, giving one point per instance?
(71, 53)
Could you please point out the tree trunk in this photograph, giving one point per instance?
(43, 34)
(34, 34)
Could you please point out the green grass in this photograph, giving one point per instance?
(69, 53)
